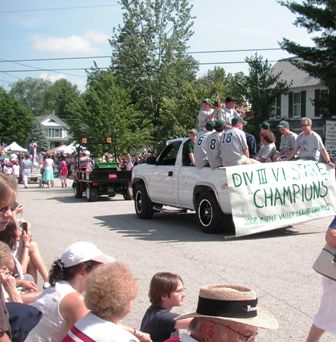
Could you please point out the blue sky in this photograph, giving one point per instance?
(56, 29)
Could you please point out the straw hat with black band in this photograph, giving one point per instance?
(232, 303)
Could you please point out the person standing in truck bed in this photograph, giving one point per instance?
(188, 157)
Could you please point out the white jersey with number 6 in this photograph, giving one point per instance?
(199, 149)
(232, 146)
(213, 149)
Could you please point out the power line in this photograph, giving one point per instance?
(57, 8)
(48, 69)
(237, 50)
(106, 56)
(106, 68)
(17, 78)
(38, 69)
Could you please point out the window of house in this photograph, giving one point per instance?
(276, 107)
(296, 104)
(54, 133)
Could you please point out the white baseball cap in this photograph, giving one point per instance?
(82, 251)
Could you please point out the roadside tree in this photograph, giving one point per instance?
(261, 87)
(37, 137)
(105, 110)
(60, 92)
(31, 94)
(150, 58)
(15, 120)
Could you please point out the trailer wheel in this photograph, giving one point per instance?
(143, 204)
(209, 214)
(127, 195)
(77, 191)
(91, 193)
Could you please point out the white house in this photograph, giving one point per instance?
(55, 130)
(303, 98)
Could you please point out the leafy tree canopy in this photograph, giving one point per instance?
(105, 110)
(31, 94)
(15, 120)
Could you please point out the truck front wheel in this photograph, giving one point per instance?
(209, 214)
(142, 203)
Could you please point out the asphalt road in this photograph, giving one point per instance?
(277, 264)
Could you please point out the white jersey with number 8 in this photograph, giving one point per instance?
(213, 149)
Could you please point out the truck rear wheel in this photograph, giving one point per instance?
(143, 204)
(91, 193)
(209, 214)
(77, 191)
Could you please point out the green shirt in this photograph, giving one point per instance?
(188, 147)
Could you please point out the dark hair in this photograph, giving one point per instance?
(162, 284)
(8, 235)
(268, 136)
(58, 272)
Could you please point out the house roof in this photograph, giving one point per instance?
(296, 77)
(51, 120)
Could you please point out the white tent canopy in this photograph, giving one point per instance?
(57, 149)
(14, 147)
(70, 148)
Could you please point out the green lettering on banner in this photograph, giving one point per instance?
(255, 200)
(321, 167)
(278, 197)
(277, 176)
(268, 196)
(287, 193)
(262, 176)
(248, 179)
(296, 191)
(325, 189)
(236, 176)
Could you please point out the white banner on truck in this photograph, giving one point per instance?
(273, 195)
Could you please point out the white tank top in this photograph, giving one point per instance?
(52, 326)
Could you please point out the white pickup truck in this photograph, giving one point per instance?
(242, 200)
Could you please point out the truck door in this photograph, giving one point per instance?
(163, 179)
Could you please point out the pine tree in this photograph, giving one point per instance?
(261, 88)
(150, 55)
(319, 61)
(37, 137)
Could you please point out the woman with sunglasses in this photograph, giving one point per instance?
(7, 205)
